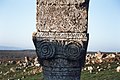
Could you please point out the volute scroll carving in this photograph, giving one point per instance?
(74, 50)
(61, 39)
(45, 49)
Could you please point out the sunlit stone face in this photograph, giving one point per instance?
(62, 15)
(61, 38)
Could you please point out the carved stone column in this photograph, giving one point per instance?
(61, 39)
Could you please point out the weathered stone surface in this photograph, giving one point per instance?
(62, 17)
(61, 1)
(71, 50)
(61, 60)
(61, 38)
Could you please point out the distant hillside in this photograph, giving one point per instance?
(9, 48)
(16, 54)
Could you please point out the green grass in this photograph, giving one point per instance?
(102, 75)
(105, 74)
(38, 76)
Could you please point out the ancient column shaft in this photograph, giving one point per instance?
(61, 39)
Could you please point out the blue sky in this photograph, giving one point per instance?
(18, 21)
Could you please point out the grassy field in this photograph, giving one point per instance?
(104, 71)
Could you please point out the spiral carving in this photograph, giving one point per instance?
(45, 50)
(73, 51)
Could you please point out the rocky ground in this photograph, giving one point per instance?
(98, 66)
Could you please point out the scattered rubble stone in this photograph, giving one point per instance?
(12, 62)
(23, 77)
(100, 57)
(6, 73)
(0, 62)
(12, 69)
(36, 63)
(90, 69)
(6, 64)
(26, 59)
(1, 72)
(91, 60)
(18, 68)
(118, 69)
